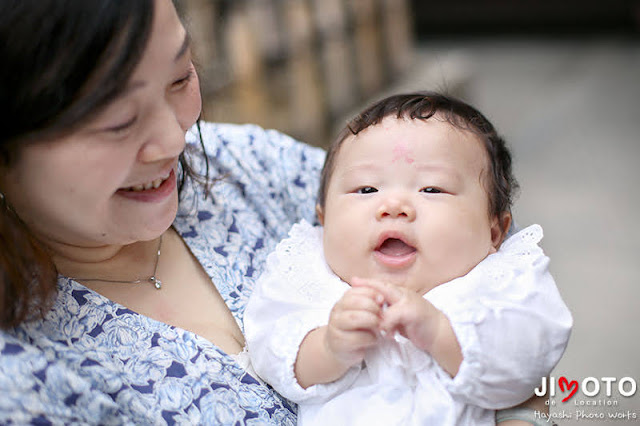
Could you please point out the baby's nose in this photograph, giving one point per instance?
(396, 208)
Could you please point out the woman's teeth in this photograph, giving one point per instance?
(151, 185)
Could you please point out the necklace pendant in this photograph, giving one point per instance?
(156, 282)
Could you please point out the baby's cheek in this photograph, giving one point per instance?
(340, 262)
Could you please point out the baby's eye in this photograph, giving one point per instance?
(431, 190)
(366, 190)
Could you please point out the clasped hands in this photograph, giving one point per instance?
(367, 310)
(371, 308)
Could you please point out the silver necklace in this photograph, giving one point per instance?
(152, 279)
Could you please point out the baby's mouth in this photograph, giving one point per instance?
(395, 247)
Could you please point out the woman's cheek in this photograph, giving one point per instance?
(194, 102)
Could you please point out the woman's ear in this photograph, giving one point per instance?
(499, 228)
(320, 214)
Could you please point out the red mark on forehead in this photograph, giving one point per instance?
(402, 152)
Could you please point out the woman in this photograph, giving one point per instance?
(107, 307)
(100, 96)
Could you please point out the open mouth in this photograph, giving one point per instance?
(151, 185)
(394, 252)
(395, 247)
(154, 184)
(152, 191)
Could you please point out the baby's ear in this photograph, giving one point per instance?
(499, 227)
(320, 214)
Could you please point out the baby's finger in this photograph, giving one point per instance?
(390, 292)
(362, 299)
(350, 320)
(393, 320)
(352, 341)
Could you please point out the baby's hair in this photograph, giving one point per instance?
(502, 185)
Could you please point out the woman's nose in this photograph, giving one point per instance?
(167, 139)
(396, 208)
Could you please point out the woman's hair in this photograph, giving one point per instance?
(501, 185)
(61, 62)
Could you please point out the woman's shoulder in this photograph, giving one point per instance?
(260, 171)
(252, 141)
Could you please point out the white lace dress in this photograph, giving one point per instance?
(507, 314)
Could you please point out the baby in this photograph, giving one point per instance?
(406, 307)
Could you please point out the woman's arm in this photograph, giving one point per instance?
(535, 407)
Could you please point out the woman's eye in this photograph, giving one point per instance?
(431, 190)
(119, 128)
(366, 190)
(182, 82)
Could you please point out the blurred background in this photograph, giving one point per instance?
(560, 80)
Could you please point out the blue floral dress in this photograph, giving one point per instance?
(93, 361)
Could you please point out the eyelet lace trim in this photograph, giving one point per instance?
(302, 262)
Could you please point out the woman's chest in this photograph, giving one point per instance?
(188, 298)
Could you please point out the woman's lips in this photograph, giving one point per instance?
(153, 191)
(394, 252)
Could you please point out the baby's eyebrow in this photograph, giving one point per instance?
(358, 168)
(430, 167)
(361, 166)
(438, 170)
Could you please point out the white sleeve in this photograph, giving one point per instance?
(292, 297)
(510, 321)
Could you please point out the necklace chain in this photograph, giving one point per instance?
(152, 279)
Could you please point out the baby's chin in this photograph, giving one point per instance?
(418, 283)
(398, 279)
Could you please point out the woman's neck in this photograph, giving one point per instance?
(120, 262)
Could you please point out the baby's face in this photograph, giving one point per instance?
(406, 205)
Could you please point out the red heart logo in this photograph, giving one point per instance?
(571, 386)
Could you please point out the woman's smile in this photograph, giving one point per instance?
(153, 191)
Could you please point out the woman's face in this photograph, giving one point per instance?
(113, 180)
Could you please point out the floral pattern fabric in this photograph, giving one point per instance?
(93, 361)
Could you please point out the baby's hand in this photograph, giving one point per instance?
(353, 324)
(407, 313)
